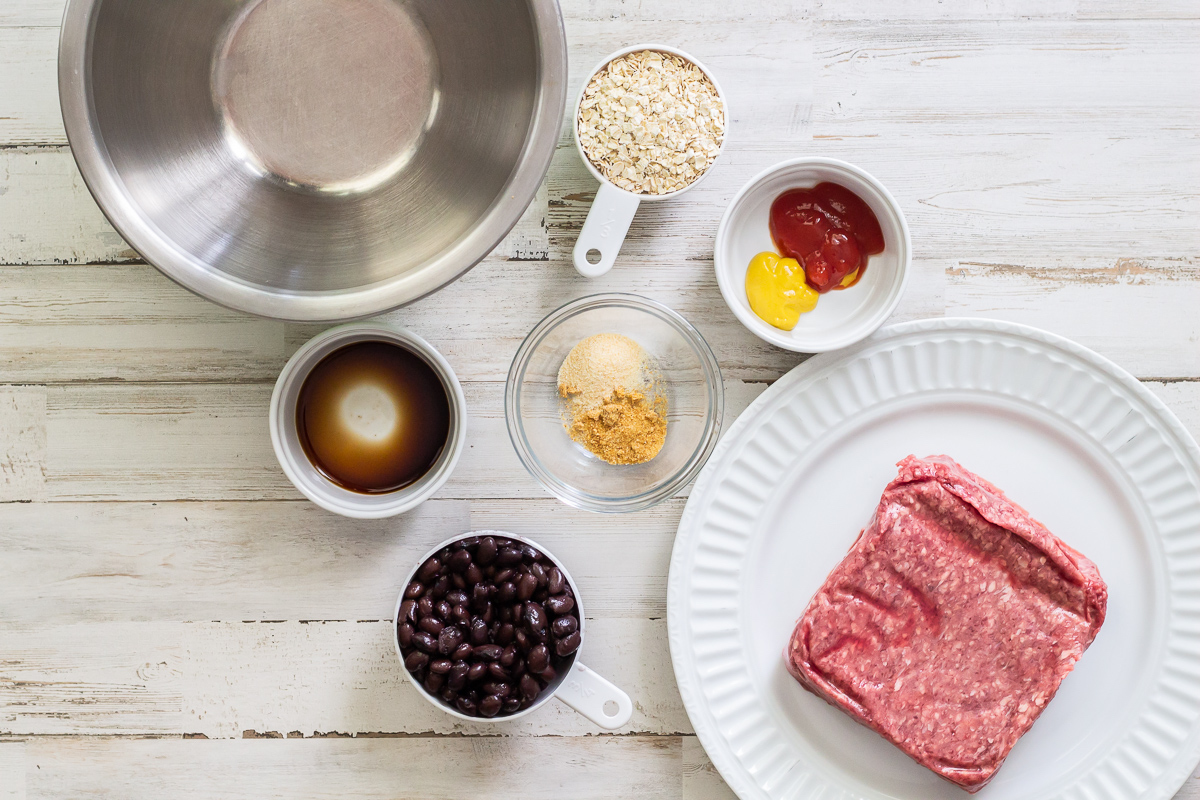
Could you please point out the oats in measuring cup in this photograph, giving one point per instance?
(651, 122)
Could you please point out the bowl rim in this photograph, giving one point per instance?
(637, 48)
(695, 462)
(107, 188)
(733, 294)
(300, 471)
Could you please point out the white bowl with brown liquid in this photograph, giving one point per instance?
(368, 420)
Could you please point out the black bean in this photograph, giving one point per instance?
(535, 621)
(497, 670)
(457, 598)
(457, 581)
(498, 688)
(525, 704)
(555, 581)
(560, 604)
(526, 586)
(505, 635)
(539, 572)
(518, 667)
(502, 541)
(539, 658)
(530, 688)
(466, 706)
(479, 632)
(485, 553)
(413, 590)
(441, 666)
(490, 706)
(441, 587)
(564, 626)
(449, 640)
(511, 704)
(522, 640)
(476, 672)
(457, 678)
(508, 657)
(404, 634)
(448, 695)
(548, 674)
(529, 554)
(434, 682)
(429, 570)
(460, 561)
(442, 609)
(479, 596)
(424, 641)
(416, 660)
(473, 575)
(468, 542)
(408, 610)
(461, 614)
(506, 592)
(503, 575)
(463, 652)
(488, 652)
(541, 595)
(486, 616)
(431, 625)
(424, 607)
(508, 557)
(444, 553)
(569, 645)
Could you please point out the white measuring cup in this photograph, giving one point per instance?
(613, 209)
(592, 695)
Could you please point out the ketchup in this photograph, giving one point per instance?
(829, 230)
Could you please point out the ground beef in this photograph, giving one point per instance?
(951, 622)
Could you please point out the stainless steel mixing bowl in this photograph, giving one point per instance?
(313, 159)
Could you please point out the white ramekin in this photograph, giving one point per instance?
(842, 317)
(286, 440)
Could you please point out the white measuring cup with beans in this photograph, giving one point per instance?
(488, 626)
(650, 122)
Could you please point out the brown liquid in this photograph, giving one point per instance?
(373, 417)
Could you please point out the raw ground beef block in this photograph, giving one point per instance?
(951, 622)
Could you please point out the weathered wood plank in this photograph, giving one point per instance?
(1138, 312)
(371, 769)
(224, 679)
(210, 442)
(701, 781)
(129, 323)
(181, 561)
(29, 87)
(22, 444)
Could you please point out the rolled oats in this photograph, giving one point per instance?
(651, 122)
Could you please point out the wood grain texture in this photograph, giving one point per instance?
(371, 769)
(211, 442)
(160, 578)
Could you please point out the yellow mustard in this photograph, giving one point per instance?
(777, 290)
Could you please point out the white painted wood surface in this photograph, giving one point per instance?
(176, 622)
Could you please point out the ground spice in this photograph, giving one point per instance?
(627, 429)
(615, 407)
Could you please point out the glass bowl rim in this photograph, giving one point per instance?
(708, 440)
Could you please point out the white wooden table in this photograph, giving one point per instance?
(176, 622)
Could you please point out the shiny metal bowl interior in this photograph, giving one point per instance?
(313, 159)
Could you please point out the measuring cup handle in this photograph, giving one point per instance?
(604, 229)
(588, 693)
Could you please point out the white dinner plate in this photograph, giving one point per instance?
(1073, 438)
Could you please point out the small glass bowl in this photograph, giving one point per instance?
(536, 414)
